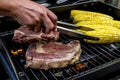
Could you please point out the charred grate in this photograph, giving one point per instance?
(93, 58)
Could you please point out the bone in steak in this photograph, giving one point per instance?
(52, 54)
(25, 34)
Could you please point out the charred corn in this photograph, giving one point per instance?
(105, 36)
(82, 12)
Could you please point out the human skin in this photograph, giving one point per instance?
(30, 14)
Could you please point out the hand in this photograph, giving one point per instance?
(34, 15)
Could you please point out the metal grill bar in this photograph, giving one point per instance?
(112, 51)
(21, 72)
(90, 62)
(67, 72)
(97, 57)
(57, 74)
(36, 78)
(20, 69)
(78, 1)
(75, 70)
(92, 58)
(90, 50)
(92, 54)
(52, 75)
(106, 52)
(94, 48)
(60, 73)
(43, 74)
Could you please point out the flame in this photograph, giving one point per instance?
(80, 65)
(16, 52)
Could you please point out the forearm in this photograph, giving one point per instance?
(6, 6)
(29, 13)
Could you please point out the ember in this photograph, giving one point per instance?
(19, 51)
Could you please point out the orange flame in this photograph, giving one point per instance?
(19, 51)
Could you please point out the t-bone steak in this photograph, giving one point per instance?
(52, 55)
(25, 34)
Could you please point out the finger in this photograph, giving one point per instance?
(49, 26)
(34, 21)
(37, 28)
(52, 16)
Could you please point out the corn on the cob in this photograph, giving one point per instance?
(105, 36)
(82, 12)
(95, 22)
(78, 18)
(116, 24)
(105, 28)
(112, 23)
(99, 27)
(96, 28)
(106, 33)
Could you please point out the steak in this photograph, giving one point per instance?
(25, 34)
(52, 55)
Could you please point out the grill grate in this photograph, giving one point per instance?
(93, 57)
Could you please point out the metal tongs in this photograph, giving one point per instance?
(69, 29)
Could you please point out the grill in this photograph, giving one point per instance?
(93, 58)
(94, 61)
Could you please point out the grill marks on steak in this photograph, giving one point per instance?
(52, 54)
(25, 34)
